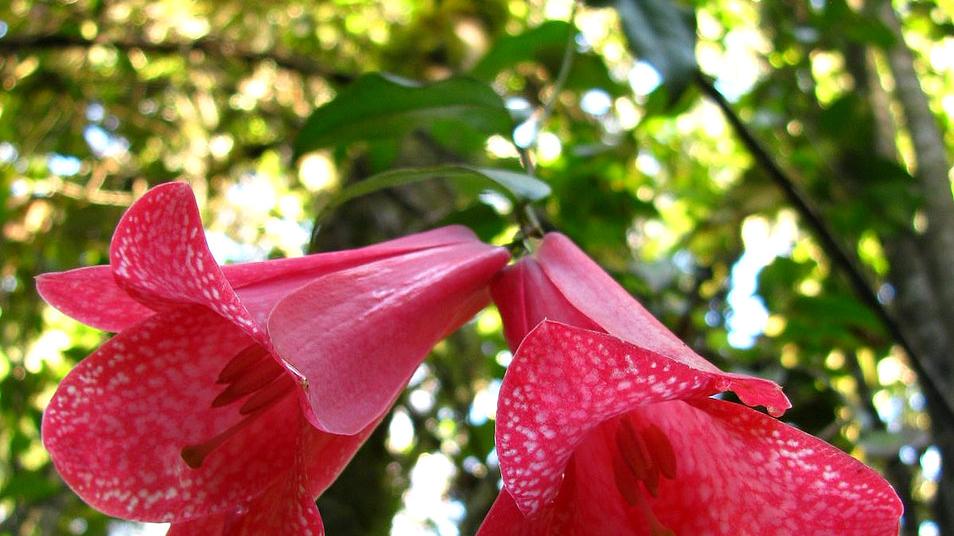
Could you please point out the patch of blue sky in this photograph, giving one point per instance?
(63, 165)
(596, 102)
(95, 112)
(764, 242)
(8, 152)
(644, 78)
(104, 143)
(226, 250)
(484, 406)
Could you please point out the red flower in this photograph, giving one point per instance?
(605, 425)
(217, 406)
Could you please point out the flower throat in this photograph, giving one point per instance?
(252, 375)
(644, 456)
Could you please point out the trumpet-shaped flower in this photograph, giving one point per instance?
(606, 425)
(233, 395)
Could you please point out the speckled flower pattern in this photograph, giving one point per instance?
(600, 434)
(221, 405)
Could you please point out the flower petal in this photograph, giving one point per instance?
(91, 296)
(755, 472)
(325, 455)
(118, 423)
(290, 501)
(285, 508)
(602, 300)
(525, 297)
(159, 255)
(377, 322)
(738, 472)
(569, 514)
(214, 525)
(564, 381)
(249, 273)
(260, 285)
(504, 518)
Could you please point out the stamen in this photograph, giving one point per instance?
(251, 371)
(194, 455)
(656, 528)
(634, 450)
(251, 380)
(629, 489)
(643, 455)
(661, 450)
(241, 362)
(268, 394)
(652, 482)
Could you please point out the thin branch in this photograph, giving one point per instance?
(208, 45)
(543, 114)
(91, 192)
(839, 255)
(525, 213)
(564, 73)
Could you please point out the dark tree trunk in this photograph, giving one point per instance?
(923, 266)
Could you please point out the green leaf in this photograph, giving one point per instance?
(378, 106)
(518, 186)
(663, 34)
(546, 45)
(528, 46)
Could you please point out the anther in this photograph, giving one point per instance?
(268, 394)
(241, 362)
(251, 372)
(249, 381)
(643, 455)
(634, 450)
(661, 450)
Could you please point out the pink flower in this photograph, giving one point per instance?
(605, 425)
(234, 395)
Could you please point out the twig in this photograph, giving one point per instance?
(564, 71)
(211, 46)
(525, 212)
(834, 250)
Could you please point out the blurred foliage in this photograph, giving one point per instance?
(103, 98)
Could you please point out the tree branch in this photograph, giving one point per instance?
(208, 45)
(932, 164)
(838, 255)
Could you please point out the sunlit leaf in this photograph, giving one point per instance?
(518, 186)
(379, 106)
(546, 44)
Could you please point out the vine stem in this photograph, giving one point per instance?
(564, 73)
(526, 214)
(839, 255)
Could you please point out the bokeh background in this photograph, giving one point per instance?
(854, 99)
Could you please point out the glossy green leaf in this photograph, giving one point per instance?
(378, 106)
(527, 46)
(546, 44)
(518, 186)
